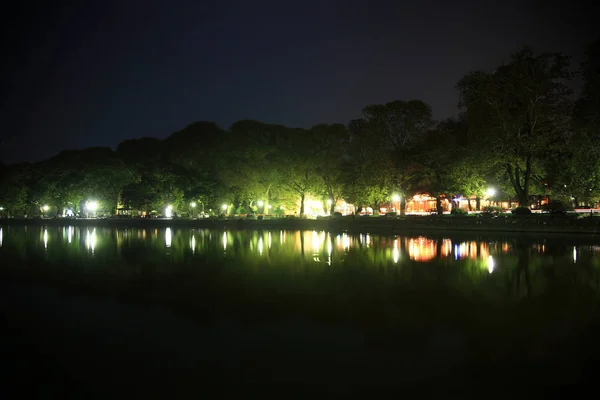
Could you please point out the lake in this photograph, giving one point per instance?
(99, 308)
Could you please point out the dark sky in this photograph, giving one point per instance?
(79, 75)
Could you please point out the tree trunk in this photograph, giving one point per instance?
(438, 205)
(302, 205)
(403, 205)
(576, 202)
(470, 205)
(478, 203)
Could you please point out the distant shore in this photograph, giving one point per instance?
(407, 224)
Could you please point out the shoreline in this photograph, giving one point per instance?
(412, 224)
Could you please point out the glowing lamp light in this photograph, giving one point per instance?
(269, 206)
(1, 208)
(490, 192)
(46, 208)
(169, 211)
(329, 201)
(260, 203)
(193, 204)
(91, 205)
(396, 197)
(224, 207)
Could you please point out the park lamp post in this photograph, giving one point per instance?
(91, 207)
(224, 207)
(193, 206)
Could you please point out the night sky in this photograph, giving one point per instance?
(93, 75)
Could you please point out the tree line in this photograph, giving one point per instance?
(519, 129)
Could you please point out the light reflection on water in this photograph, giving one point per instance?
(314, 246)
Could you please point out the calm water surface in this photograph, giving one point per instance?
(257, 303)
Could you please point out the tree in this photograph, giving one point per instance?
(520, 112)
(398, 127)
(330, 142)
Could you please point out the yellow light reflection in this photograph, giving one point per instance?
(168, 237)
(396, 251)
(280, 237)
(224, 240)
(193, 243)
(316, 243)
(45, 238)
(260, 245)
(421, 249)
(446, 247)
(490, 263)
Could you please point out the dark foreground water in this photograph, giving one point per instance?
(100, 310)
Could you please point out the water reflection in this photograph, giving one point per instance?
(318, 247)
(90, 240)
(168, 237)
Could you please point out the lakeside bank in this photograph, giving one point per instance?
(541, 224)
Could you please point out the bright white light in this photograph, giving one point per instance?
(574, 254)
(224, 207)
(193, 244)
(45, 238)
(260, 203)
(490, 263)
(91, 205)
(260, 245)
(168, 237)
(69, 234)
(329, 201)
(0, 237)
(269, 240)
(490, 192)
(193, 204)
(1, 208)
(69, 213)
(224, 240)
(169, 211)
(45, 208)
(396, 197)
(269, 206)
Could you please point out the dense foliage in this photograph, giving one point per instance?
(519, 130)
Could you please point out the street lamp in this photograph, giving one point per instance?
(169, 211)
(490, 192)
(193, 204)
(224, 207)
(45, 208)
(91, 206)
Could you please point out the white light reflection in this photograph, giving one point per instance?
(396, 252)
(345, 241)
(0, 237)
(280, 237)
(45, 238)
(368, 240)
(260, 245)
(329, 248)
(574, 254)
(69, 234)
(224, 240)
(91, 240)
(269, 240)
(193, 243)
(168, 237)
(490, 263)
